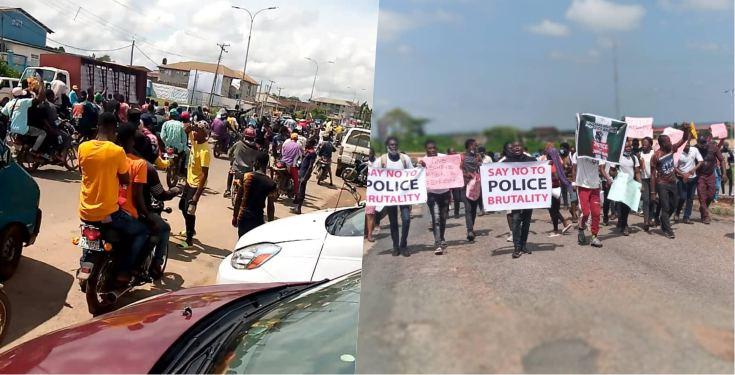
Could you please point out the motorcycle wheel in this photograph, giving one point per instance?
(171, 178)
(25, 159)
(70, 159)
(97, 303)
(4, 315)
(217, 152)
(11, 247)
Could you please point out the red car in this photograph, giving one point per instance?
(240, 328)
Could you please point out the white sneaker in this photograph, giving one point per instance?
(439, 251)
(509, 239)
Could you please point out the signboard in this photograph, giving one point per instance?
(639, 127)
(443, 172)
(675, 136)
(625, 189)
(600, 138)
(515, 186)
(718, 130)
(396, 187)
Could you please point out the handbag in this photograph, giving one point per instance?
(473, 187)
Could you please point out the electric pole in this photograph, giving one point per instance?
(132, 48)
(216, 71)
(615, 79)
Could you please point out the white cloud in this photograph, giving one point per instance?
(392, 24)
(698, 5)
(323, 30)
(549, 28)
(604, 15)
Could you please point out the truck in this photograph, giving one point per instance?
(90, 74)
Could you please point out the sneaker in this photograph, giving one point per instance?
(226, 194)
(516, 253)
(582, 238)
(480, 213)
(395, 252)
(646, 228)
(405, 252)
(509, 238)
(670, 235)
(687, 221)
(471, 236)
(706, 220)
(626, 231)
(596, 242)
(439, 250)
(525, 250)
(567, 228)
(553, 234)
(444, 245)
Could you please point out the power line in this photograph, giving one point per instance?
(87, 49)
(146, 56)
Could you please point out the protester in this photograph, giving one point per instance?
(471, 171)
(290, 155)
(663, 178)
(587, 173)
(649, 205)
(569, 193)
(196, 176)
(371, 219)
(729, 157)
(256, 191)
(558, 180)
(686, 170)
(394, 159)
(508, 214)
(73, 97)
(711, 156)
(456, 192)
(631, 166)
(607, 203)
(521, 218)
(438, 202)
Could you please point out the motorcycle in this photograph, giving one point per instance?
(64, 153)
(361, 168)
(4, 314)
(103, 248)
(283, 179)
(350, 177)
(322, 170)
(175, 171)
(221, 147)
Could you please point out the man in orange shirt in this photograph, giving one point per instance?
(105, 170)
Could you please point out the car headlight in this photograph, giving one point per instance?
(253, 256)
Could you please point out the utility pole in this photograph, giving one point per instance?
(267, 96)
(247, 49)
(615, 79)
(132, 48)
(222, 47)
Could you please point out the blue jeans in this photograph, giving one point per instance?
(718, 183)
(136, 231)
(686, 196)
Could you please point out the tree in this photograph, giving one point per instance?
(7, 71)
(401, 124)
(59, 48)
(320, 114)
(103, 58)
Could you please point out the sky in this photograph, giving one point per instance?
(470, 64)
(182, 30)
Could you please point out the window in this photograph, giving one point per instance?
(61, 77)
(4, 84)
(346, 223)
(359, 139)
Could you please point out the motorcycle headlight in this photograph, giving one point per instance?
(253, 256)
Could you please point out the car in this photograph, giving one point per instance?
(354, 144)
(308, 247)
(244, 328)
(20, 217)
(6, 87)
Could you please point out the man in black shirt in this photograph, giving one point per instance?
(256, 191)
(521, 218)
(325, 153)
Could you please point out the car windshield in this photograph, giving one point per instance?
(44, 74)
(346, 223)
(315, 332)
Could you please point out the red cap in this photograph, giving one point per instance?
(184, 116)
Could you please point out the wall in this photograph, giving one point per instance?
(173, 77)
(32, 55)
(15, 25)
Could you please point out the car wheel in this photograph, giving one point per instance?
(11, 246)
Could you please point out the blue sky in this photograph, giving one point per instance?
(471, 64)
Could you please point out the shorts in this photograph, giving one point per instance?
(572, 196)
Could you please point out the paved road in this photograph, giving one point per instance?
(640, 304)
(44, 294)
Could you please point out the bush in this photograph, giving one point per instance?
(7, 71)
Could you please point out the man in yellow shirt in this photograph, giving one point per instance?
(196, 175)
(105, 172)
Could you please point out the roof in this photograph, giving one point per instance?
(268, 99)
(141, 67)
(3, 9)
(207, 67)
(333, 101)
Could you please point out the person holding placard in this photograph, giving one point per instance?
(630, 165)
(663, 178)
(394, 159)
(686, 171)
(587, 173)
(471, 162)
(438, 202)
(521, 218)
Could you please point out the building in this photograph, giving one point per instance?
(268, 104)
(336, 107)
(178, 74)
(22, 38)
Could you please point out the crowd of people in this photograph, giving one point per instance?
(668, 189)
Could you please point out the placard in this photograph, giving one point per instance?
(718, 130)
(600, 138)
(396, 187)
(443, 172)
(516, 186)
(639, 127)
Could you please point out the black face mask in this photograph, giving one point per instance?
(562, 152)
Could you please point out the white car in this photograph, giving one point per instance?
(315, 246)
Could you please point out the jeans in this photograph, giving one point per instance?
(456, 198)
(686, 196)
(667, 198)
(40, 135)
(705, 192)
(164, 232)
(556, 216)
(649, 205)
(439, 210)
(623, 213)
(470, 210)
(718, 182)
(521, 225)
(589, 203)
(136, 231)
(405, 224)
(303, 181)
(187, 195)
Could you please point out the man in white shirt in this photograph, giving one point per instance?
(587, 173)
(686, 171)
(394, 159)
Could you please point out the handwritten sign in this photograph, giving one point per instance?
(718, 130)
(516, 186)
(625, 189)
(639, 127)
(675, 136)
(396, 187)
(443, 172)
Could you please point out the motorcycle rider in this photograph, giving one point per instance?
(105, 171)
(242, 157)
(325, 155)
(153, 189)
(219, 128)
(18, 111)
(173, 135)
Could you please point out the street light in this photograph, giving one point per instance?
(315, 74)
(247, 49)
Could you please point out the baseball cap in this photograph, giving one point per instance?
(147, 119)
(184, 116)
(75, 87)
(18, 91)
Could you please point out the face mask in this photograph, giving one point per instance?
(563, 152)
(626, 153)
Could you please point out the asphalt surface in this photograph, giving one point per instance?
(44, 294)
(639, 304)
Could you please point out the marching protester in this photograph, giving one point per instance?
(196, 175)
(371, 219)
(256, 193)
(607, 203)
(649, 205)
(558, 183)
(521, 218)
(394, 159)
(508, 214)
(471, 193)
(663, 178)
(587, 173)
(711, 157)
(690, 161)
(456, 192)
(729, 157)
(630, 165)
(438, 202)
(569, 193)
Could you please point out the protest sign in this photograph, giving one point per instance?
(600, 137)
(443, 172)
(639, 127)
(718, 130)
(625, 189)
(515, 186)
(396, 187)
(675, 136)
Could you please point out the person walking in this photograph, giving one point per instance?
(197, 173)
(663, 178)
(471, 170)
(568, 192)
(729, 157)
(711, 157)
(559, 182)
(686, 170)
(395, 159)
(521, 218)
(305, 170)
(587, 173)
(649, 205)
(256, 193)
(631, 166)
(438, 202)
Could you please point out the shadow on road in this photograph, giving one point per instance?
(730, 235)
(169, 282)
(531, 246)
(42, 289)
(190, 254)
(58, 175)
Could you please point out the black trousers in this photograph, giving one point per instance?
(248, 223)
(521, 225)
(623, 213)
(405, 225)
(668, 199)
(650, 207)
(470, 210)
(555, 214)
(186, 196)
(299, 199)
(457, 198)
(439, 210)
(607, 205)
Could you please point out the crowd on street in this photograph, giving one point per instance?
(703, 171)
